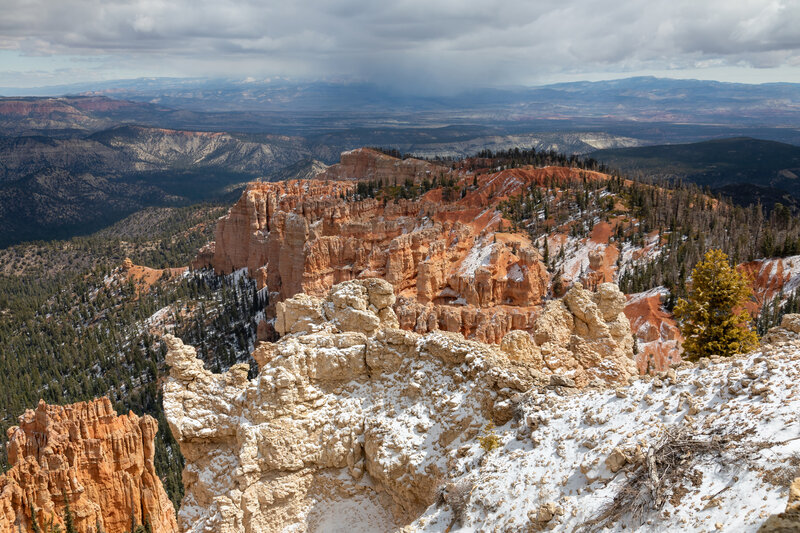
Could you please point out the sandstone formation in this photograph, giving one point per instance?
(352, 421)
(353, 424)
(102, 462)
(789, 520)
(452, 265)
(658, 337)
(365, 164)
(144, 277)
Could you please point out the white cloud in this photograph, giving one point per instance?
(436, 43)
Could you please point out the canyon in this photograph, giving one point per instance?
(452, 248)
(455, 262)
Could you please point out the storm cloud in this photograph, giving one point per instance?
(428, 43)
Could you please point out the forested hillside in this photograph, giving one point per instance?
(75, 326)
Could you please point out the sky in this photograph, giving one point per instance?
(416, 45)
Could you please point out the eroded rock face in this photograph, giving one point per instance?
(586, 336)
(101, 461)
(367, 164)
(451, 265)
(354, 420)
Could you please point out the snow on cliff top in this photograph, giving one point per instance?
(556, 456)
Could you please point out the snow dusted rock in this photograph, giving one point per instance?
(520, 347)
(587, 336)
(383, 429)
(789, 330)
(585, 451)
(359, 305)
(352, 421)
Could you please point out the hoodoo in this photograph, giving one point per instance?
(101, 462)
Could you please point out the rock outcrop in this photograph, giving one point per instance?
(658, 336)
(452, 265)
(789, 520)
(353, 424)
(101, 462)
(352, 421)
(366, 164)
(144, 277)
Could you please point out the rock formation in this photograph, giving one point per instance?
(363, 164)
(452, 266)
(351, 419)
(789, 520)
(788, 331)
(102, 462)
(353, 424)
(658, 337)
(144, 277)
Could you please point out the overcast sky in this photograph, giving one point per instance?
(416, 44)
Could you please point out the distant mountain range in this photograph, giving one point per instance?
(71, 164)
(656, 110)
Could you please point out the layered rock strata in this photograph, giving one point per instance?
(453, 267)
(353, 422)
(364, 164)
(101, 462)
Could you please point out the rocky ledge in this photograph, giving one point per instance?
(351, 419)
(354, 424)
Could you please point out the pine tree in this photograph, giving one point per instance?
(34, 521)
(68, 523)
(713, 319)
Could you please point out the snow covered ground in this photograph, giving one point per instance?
(569, 454)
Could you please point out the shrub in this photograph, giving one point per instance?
(489, 440)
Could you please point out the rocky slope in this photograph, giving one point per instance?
(101, 462)
(348, 412)
(354, 424)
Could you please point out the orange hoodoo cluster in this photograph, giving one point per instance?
(101, 462)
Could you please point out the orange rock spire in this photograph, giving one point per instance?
(101, 461)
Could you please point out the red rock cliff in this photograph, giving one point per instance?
(453, 263)
(101, 461)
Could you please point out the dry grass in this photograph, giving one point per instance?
(457, 496)
(784, 474)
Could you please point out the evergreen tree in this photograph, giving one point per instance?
(34, 522)
(712, 319)
(68, 523)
